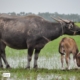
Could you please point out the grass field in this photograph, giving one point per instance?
(49, 64)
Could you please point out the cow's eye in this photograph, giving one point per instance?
(70, 26)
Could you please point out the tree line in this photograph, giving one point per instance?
(47, 15)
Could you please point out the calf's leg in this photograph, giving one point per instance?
(67, 58)
(62, 61)
(74, 59)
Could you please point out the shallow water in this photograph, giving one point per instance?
(43, 62)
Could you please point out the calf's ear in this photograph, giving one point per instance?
(78, 55)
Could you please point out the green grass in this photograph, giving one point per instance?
(32, 74)
(78, 24)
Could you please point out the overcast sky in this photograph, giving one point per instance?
(36, 6)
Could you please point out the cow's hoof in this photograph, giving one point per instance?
(27, 67)
(1, 66)
(35, 67)
(8, 67)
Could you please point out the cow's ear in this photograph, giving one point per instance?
(73, 23)
(66, 25)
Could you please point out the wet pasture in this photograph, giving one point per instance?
(49, 68)
(49, 65)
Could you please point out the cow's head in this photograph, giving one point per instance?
(78, 60)
(68, 27)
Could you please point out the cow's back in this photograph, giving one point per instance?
(15, 32)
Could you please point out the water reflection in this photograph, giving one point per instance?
(43, 62)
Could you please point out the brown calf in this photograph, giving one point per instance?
(68, 45)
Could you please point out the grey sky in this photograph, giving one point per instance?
(35, 6)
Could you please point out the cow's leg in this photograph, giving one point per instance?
(62, 61)
(36, 57)
(67, 57)
(29, 57)
(1, 65)
(3, 55)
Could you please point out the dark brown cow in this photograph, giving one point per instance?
(31, 32)
(66, 47)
